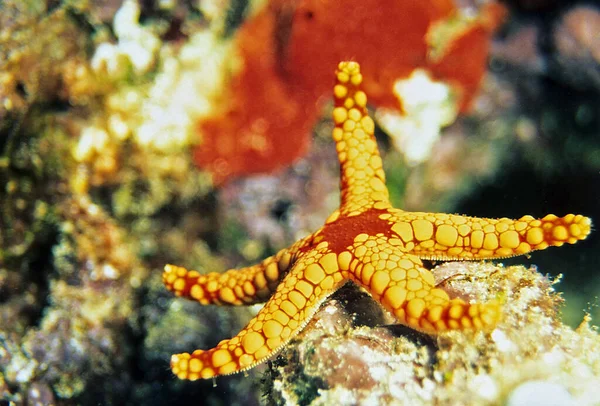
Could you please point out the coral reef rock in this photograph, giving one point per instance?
(339, 359)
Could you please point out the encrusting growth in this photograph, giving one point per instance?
(368, 242)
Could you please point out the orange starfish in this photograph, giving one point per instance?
(366, 241)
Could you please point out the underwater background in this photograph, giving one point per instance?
(139, 133)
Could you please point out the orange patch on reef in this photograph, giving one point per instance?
(289, 50)
(259, 125)
(387, 37)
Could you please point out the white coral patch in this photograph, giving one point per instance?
(92, 141)
(182, 92)
(534, 393)
(428, 107)
(503, 343)
(136, 44)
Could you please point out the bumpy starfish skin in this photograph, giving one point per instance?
(368, 242)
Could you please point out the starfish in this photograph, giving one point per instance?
(365, 241)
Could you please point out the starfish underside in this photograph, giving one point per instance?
(366, 241)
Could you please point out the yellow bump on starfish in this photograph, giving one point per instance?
(368, 242)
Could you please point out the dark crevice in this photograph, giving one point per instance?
(281, 210)
(81, 20)
(52, 5)
(21, 89)
(236, 13)
(40, 268)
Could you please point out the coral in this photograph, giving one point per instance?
(578, 46)
(244, 134)
(83, 175)
(145, 121)
(274, 94)
(81, 335)
(428, 106)
(32, 71)
(136, 46)
(356, 363)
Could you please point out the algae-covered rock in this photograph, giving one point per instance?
(340, 360)
(37, 42)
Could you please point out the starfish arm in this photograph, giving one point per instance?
(310, 281)
(253, 284)
(362, 176)
(452, 237)
(405, 288)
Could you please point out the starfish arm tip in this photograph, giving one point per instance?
(552, 230)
